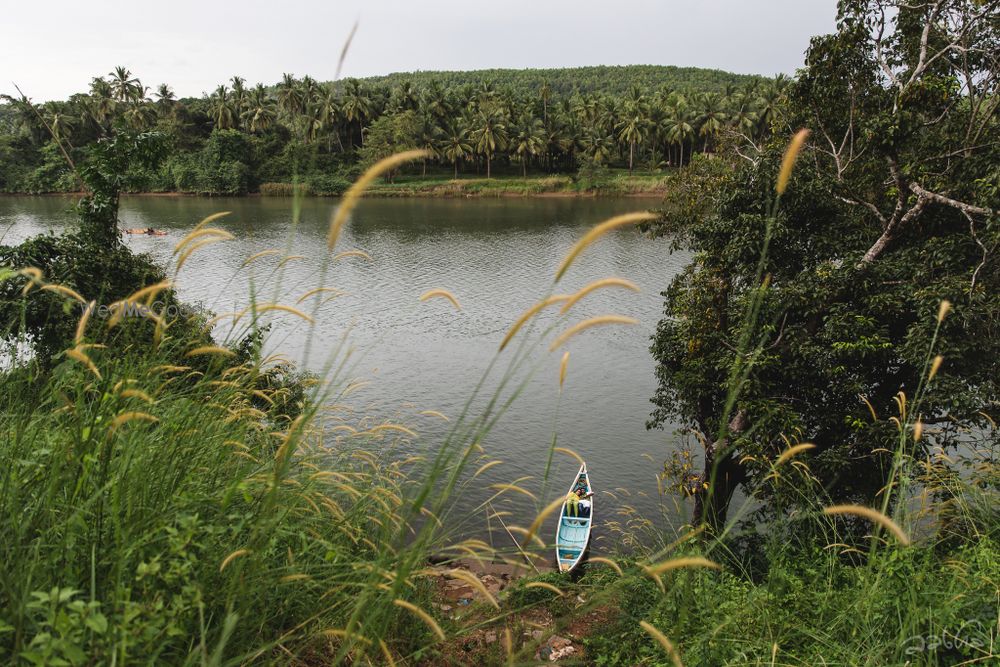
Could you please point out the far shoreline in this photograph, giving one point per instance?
(555, 186)
(409, 194)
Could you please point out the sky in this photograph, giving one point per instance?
(52, 48)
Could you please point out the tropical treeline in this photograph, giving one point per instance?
(565, 81)
(240, 136)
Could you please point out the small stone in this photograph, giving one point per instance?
(562, 653)
(491, 583)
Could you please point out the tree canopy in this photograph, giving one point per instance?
(514, 121)
(891, 211)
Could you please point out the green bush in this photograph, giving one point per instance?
(52, 174)
(592, 176)
(284, 189)
(328, 184)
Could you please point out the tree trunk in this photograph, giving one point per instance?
(722, 475)
(524, 168)
(631, 156)
(487, 167)
(711, 506)
(456, 169)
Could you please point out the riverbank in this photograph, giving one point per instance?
(614, 185)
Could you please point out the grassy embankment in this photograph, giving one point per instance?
(615, 183)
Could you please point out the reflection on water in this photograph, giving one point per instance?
(497, 256)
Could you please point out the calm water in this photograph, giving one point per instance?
(498, 257)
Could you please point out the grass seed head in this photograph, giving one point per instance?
(587, 324)
(662, 640)
(872, 515)
(788, 162)
(353, 194)
(441, 294)
(423, 616)
(596, 285)
(597, 232)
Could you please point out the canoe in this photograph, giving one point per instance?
(155, 232)
(573, 532)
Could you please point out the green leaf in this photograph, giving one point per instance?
(98, 623)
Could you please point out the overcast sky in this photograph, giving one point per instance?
(52, 48)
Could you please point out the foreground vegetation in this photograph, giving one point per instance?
(170, 495)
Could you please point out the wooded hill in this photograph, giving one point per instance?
(608, 79)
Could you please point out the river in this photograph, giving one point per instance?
(497, 256)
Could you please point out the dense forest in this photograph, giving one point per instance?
(565, 81)
(243, 138)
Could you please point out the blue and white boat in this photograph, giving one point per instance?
(575, 524)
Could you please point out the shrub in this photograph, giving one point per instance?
(328, 184)
(284, 189)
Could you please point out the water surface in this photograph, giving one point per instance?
(498, 256)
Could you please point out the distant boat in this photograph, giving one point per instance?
(575, 524)
(148, 231)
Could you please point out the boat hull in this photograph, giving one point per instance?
(575, 525)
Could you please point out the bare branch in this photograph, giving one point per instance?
(947, 201)
(867, 204)
(891, 231)
(982, 246)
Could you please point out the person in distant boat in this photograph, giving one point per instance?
(148, 231)
(583, 501)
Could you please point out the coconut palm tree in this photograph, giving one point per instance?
(329, 115)
(527, 139)
(102, 101)
(357, 105)
(290, 98)
(712, 118)
(455, 144)
(166, 101)
(140, 114)
(260, 111)
(426, 136)
(311, 91)
(124, 86)
(489, 133)
(680, 129)
(559, 136)
(545, 93)
(597, 145)
(768, 104)
(223, 113)
(60, 123)
(742, 119)
(435, 100)
(632, 129)
(404, 97)
(238, 96)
